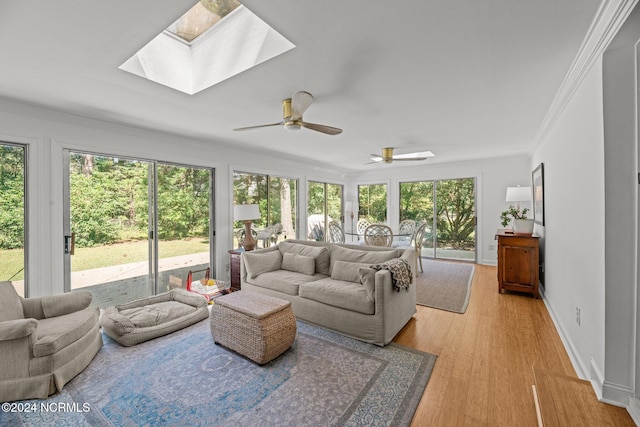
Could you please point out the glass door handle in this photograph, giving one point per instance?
(70, 244)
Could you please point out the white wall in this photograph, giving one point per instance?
(572, 152)
(48, 133)
(493, 176)
(621, 107)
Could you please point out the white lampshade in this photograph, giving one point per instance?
(246, 212)
(518, 194)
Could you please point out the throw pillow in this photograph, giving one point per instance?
(258, 263)
(299, 263)
(320, 253)
(368, 280)
(338, 253)
(347, 271)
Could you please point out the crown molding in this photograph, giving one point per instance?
(607, 22)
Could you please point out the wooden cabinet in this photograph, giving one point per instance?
(518, 259)
(234, 266)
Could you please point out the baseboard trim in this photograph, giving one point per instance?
(633, 408)
(578, 365)
(616, 394)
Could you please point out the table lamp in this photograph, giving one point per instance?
(518, 194)
(247, 213)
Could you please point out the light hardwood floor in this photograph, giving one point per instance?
(486, 358)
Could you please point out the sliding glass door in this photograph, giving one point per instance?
(324, 204)
(455, 224)
(134, 228)
(183, 223)
(13, 173)
(372, 203)
(448, 207)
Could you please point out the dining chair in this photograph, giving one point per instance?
(406, 230)
(336, 232)
(378, 235)
(418, 237)
(361, 226)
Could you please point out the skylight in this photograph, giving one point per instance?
(203, 48)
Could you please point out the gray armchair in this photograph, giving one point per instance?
(44, 342)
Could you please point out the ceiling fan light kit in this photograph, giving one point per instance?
(292, 110)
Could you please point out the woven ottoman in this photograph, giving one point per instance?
(257, 326)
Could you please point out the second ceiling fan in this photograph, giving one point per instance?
(292, 110)
(388, 157)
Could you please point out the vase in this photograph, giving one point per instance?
(523, 226)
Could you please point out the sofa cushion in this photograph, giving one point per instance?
(368, 280)
(320, 253)
(284, 281)
(10, 305)
(347, 271)
(299, 263)
(339, 253)
(57, 333)
(259, 263)
(338, 293)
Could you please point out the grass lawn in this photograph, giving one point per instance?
(11, 261)
(104, 256)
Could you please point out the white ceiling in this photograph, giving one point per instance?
(465, 79)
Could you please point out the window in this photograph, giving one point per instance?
(277, 198)
(12, 215)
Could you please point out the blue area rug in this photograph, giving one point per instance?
(324, 379)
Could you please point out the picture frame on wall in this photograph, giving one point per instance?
(537, 184)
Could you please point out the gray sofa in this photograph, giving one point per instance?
(333, 286)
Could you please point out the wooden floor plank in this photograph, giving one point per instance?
(486, 359)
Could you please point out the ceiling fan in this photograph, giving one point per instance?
(388, 157)
(292, 110)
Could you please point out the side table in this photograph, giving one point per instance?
(234, 266)
(518, 258)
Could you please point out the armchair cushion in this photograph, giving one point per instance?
(57, 333)
(10, 307)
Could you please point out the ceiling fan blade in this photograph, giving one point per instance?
(260, 126)
(408, 159)
(321, 128)
(415, 155)
(300, 101)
